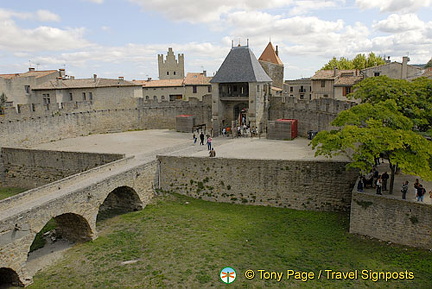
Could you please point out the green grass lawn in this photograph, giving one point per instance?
(9, 192)
(179, 242)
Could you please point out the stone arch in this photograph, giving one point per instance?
(74, 227)
(121, 200)
(9, 277)
(68, 226)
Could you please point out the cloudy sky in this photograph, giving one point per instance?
(114, 38)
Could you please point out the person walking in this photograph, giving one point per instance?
(379, 186)
(209, 143)
(201, 138)
(404, 189)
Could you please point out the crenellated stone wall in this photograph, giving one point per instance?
(314, 115)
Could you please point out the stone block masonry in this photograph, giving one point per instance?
(302, 185)
(28, 168)
(393, 220)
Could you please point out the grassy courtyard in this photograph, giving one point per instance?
(9, 192)
(179, 242)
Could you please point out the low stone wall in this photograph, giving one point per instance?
(393, 220)
(303, 185)
(27, 168)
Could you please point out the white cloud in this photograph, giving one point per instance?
(40, 15)
(394, 5)
(14, 38)
(205, 10)
(95, 1)
(399, 23)
(47, 16)
(304, 6)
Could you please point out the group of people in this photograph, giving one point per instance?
(379, 182)
(209, 140)
(374, 180)
(240, 131)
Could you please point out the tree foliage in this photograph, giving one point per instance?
(367, 131)
(361, 61)
(414, 98)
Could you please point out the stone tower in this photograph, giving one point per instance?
(240, 92)
(272, 65)
(170, 68)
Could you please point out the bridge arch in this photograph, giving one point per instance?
(69, 226)
(9, 277)
(121, 200)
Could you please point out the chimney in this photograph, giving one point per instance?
(149, 79)
(121, 78)
(62, 73)
(31, 69)
(405, 60)
(95, 77)
(205, 73)
(72, 77)
(335, 72)
(277, 50)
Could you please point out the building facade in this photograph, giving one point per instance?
(99, 93)
(298, 88)
(18, 87)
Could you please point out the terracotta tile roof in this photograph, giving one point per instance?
(83, 83)
(269, 55)
(347, 80)
(35, 73)
(197, 79)
(160, 83)
(329, 74)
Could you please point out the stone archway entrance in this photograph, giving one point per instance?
(9, 277)
(119, 201)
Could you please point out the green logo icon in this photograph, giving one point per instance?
(227, 275)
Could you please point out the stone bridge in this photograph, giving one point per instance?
(75, 203)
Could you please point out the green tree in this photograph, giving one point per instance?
(359, 62)
(414, 98)
(368, 130)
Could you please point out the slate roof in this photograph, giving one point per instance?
(240, 65)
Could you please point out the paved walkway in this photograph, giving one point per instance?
(149, 143)
(399, 180)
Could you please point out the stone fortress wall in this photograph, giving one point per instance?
(26, 168)
(393, 220)
(272, 182)
(301, 185)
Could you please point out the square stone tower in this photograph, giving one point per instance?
(170, 68)
(240, 92)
